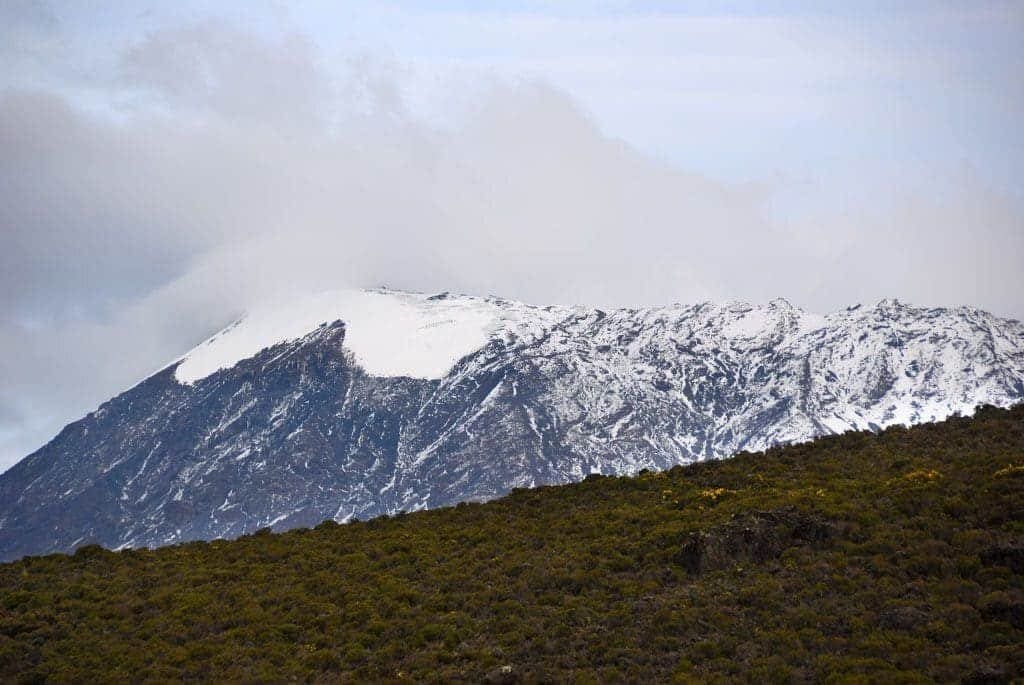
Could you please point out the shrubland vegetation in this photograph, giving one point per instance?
(895, 557)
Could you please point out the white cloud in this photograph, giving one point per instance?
(225, 165)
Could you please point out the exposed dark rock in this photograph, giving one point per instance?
(1010, 555)
(756, 538)
(1003, 606)
(987, 674)
(502, 675)
(902, 618)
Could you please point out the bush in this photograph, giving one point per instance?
(890, 557)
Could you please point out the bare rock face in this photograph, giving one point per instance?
(409, 401)
(753, 539)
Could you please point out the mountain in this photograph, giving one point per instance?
(359, 403)
(895, 557)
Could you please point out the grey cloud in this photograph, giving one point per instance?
(28, 15)
(239, 169)
(29, 38)
(212, 68)
(77, 203)
(958, 245)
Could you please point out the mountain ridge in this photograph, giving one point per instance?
(308, 428)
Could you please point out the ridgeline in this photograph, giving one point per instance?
(894, 557)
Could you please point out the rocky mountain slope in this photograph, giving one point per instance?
(355, 404)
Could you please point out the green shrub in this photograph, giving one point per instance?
(863, 557)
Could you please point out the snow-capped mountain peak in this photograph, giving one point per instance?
(358, 403)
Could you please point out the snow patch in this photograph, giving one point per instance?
(748, 325)
(389, 333)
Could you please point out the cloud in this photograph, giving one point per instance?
(236, 167)
(214, 69)
(83, 209)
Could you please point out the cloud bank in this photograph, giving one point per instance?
(229, 166)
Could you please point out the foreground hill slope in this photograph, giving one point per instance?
(896, 556)
(360, 403)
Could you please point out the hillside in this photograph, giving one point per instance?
(360, 403)
(896, 556)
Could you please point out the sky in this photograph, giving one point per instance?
(164, 166)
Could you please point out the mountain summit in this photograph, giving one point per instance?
(361, 403)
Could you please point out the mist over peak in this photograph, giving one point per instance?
(195, 165)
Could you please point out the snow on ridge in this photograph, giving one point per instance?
(390, 333)
(745, 321)
(748, 324)
(398, 333)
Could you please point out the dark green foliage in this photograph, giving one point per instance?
(894, 557)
